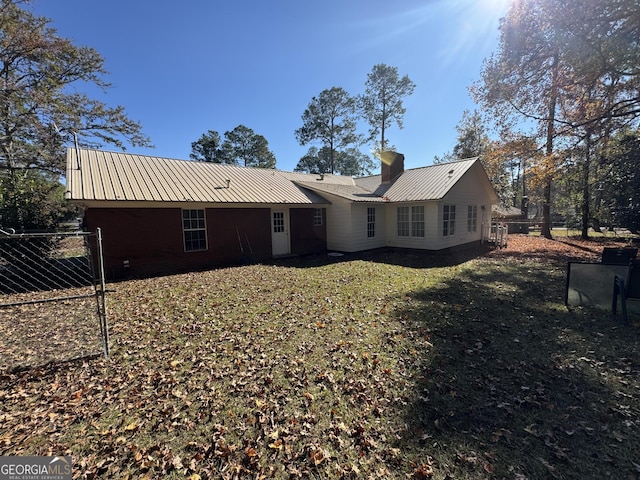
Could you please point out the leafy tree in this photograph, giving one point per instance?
(570, 69)
(315, 161)
(522, 80)
(507, 162)
(207, 148)
(350, 162)
(40, 113)
(622, 185)
(32, 200)
(330, 119)
(353, 163)
(444, 158)
(381, 104)
(242, 146)
(473, 139)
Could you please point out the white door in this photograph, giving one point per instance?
(280, 232)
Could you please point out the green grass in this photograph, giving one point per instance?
(380, 366)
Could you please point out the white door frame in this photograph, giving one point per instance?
(280, 238)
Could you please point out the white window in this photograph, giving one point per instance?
(194, 230)
(403, 221)
(317, 217)
(472, 218)
(417, 221)
(278, 222)
(371, 222)
(411, 221)
(448, 220)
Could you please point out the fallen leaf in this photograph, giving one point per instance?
(132, 426)
(423, 471)
(177, 462)
(318, 456)
(251, 452)
(550, 468)
(276, 445)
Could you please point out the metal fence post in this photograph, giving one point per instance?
(104, 326)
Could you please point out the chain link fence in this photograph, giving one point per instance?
(52, 299)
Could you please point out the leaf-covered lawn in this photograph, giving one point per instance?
(380, 365)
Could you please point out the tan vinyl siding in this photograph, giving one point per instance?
(359, 238)
(430, 240)
(339, 233)
(468, 191)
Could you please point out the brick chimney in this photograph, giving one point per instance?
(392, 166)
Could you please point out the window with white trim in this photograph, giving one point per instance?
(417, 221)
(411, 221)
(448, 220)
(403, 221)
(371, 222)
(317, 217)
(472, 218)
(194, 230)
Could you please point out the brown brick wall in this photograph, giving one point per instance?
(151, 239)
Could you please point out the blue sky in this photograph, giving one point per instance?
(182, 68)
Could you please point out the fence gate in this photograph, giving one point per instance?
(52, 298)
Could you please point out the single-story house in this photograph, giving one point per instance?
(160, 215)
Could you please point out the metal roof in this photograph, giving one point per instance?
(420, 184)
(117, 176)
(370, 183)
(414, 185)
(353, 193)
(99, 175)
(319, 179)
(428, 183)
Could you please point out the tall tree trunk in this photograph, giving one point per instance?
(586, 193)
(524, 207)
(384, 121)
(382, 149)
(332, 155)
(516, 184)
(551, 118)
(13, 217)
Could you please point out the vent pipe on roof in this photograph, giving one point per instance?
(228, 180)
